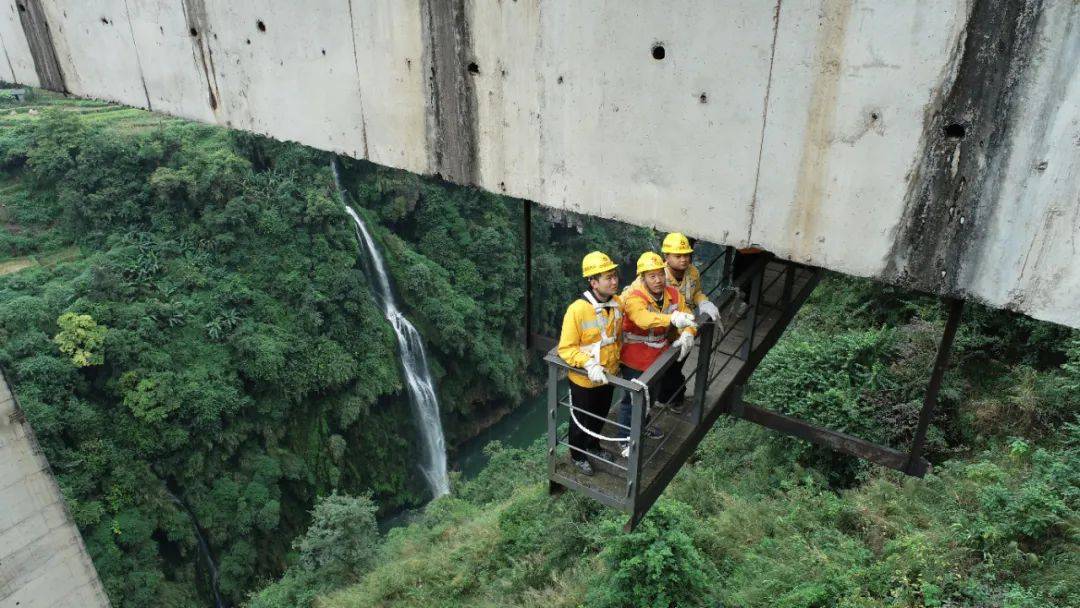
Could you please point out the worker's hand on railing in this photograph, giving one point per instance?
(684, 344)
(708, 308)
(596, 372)
(682, 320)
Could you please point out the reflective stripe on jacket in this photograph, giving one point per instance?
(580, 338)
(647, 328)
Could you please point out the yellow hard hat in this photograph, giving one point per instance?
(650, 261)
(595, 263)
(676, 242)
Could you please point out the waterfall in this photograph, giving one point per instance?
(421, 387)
(204, 548)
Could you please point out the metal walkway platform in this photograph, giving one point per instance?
(718, 368)
(724, 357)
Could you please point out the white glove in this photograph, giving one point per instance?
(708, 308)
(596, 372)
(682, 320)
(684, 344)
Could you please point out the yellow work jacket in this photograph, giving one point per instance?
(581, 328)
(689, 287)
(642, 311)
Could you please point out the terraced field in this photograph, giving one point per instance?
(27, 244)
(93, 111)
(30, 242)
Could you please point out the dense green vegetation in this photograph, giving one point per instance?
(189, 331)
(457, 258)
(757, 519)
(213, 356)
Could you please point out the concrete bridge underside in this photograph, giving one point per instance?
(931, 144)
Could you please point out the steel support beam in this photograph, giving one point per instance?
(835, 440)
(553, 427)
(526, 213)
(956, 309)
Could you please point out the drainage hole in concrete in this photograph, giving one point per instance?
(658, 52)
(955, 131)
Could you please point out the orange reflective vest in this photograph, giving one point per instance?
(642, 346)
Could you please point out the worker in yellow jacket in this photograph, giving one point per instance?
(591, 338)
(684, 276)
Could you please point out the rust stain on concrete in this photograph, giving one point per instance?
(813, 165)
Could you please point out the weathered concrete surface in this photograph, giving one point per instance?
(932, 144)
(43, 562)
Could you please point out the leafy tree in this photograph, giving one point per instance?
(341, 542)
(81, 338)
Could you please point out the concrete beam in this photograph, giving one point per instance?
(43, 562)
(930, 144)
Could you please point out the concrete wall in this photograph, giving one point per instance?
(43, 562)
(933, 144)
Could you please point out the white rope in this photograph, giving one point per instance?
(592, 434)
(644, 388)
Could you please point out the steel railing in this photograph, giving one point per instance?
(628, 474)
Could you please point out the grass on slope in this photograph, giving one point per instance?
(93, 111)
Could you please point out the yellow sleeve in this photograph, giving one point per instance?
(684, 308)
(570, 340)
(637, 310)
(699, 295)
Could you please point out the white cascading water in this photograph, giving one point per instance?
(414, 363)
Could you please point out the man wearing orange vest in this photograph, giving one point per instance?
(684, 276)
(655, 312)
(591, 338)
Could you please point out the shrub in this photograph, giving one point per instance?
(341, 542)
(656, 565)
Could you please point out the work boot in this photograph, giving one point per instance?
(603, 454)
(654, 433)
(584, 466)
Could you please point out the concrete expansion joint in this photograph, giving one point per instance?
(39, 38)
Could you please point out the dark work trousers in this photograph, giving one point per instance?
(596, 401)
(742, 263)
(670, 389)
